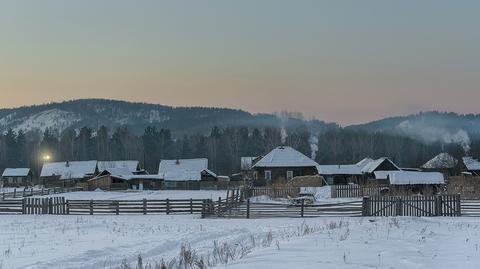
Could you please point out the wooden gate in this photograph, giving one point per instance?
(418, 206)
(43, 206)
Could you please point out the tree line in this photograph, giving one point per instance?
(222, 146)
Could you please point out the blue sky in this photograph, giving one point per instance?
(344, 61)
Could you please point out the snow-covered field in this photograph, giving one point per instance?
(110, 241)
(138, 195)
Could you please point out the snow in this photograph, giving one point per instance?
(53, 119)
(106, 165)
(410, 178)
(441, 161)
(138, 195)
(340, 169)
(184, 169)
(471, 163)
(285, 157)
(47, 241)
(70, 170)
(383, 243)
(16, 172)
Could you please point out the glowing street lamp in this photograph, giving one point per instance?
(46, 157)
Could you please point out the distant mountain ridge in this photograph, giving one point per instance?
(94, 113)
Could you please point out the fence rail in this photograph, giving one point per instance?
(419, 206)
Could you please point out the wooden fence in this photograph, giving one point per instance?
(470, 208)
(43, 206)
(353, 191)
(31, 192)
(428, 206)
(251, 210)
(272, 192)
(11, 206)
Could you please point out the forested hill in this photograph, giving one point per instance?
(94, 113)
(429, 127)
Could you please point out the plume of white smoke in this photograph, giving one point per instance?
(313, 146)
(283, 135)
(461, 137)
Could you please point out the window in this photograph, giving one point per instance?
(289, 175)
(268, 175)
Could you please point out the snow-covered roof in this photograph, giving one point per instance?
(16, 172)
(441, 161)
(341, 169)
(132, 166)
(472, 164)
(69, 170)
(411, 178)
(184, 170)
(364, 162)
(371, 166)
(285, 157)
(125, 174)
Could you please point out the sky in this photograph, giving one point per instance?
(343, 61)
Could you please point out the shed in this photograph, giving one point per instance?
(16, 177)
(186, 173)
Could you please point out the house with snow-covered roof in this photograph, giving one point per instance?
(445, 164)
(67, 173)
(16, 177)
(281, 165)
(472, 165)
(185, 173)
(412, 182)
(132, 166)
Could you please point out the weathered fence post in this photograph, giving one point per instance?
(24, 209)
(91, 207)
(438, 206)
(458, 204)
(333, 191)
(144, 206)
(31, 192)
(219, 208)
(168, 207)
(67, 205)
(14, 193)
(50, 205)
(399, 206)
(191, 206)
(303, 208)
(117, 208)
(365, 207)
(248, 208)
(23, 195)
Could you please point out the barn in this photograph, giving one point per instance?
(341, 173)
(187, 174)
(17, 177)
(408, 182)
(122, 178)
(281, 165)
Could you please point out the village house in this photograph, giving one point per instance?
(17, 177)
(281, 165)
(188, 174)
(472, 165)
(444, 163)
(65, 174)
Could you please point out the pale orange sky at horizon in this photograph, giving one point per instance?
(343, 62)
